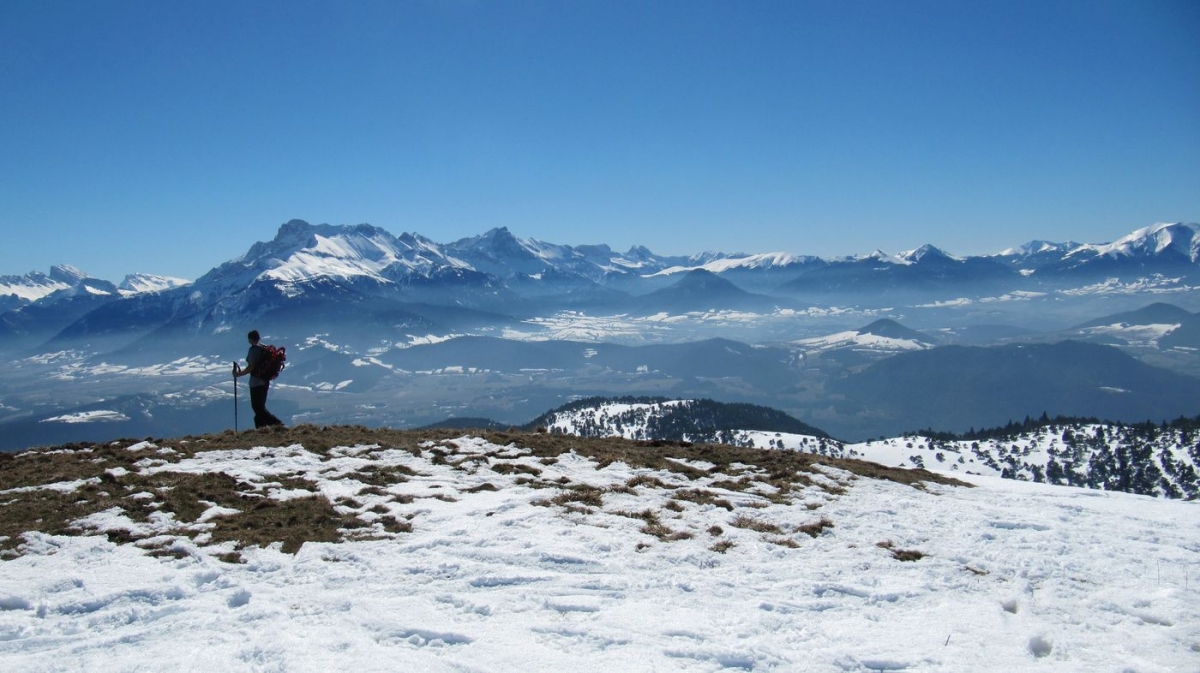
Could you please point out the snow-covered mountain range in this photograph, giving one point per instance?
(303, 257)
(64, 280)
(364, 274)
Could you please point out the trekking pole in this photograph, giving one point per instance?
(235, 404)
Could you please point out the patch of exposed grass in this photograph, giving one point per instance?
(742, 484)
(291, 522)
(723, 546)
(702, 497)
(534, 483)
(784, 542)
(48, 511)
(518, 468)
(188, 495)
(815, 528)
(481, 487)
(758, 525)
(900, 554)
(581, 494)
(655, 527)
(665, 533)
(646, 515)
(383, 475)
(646, 480)
(393, 525)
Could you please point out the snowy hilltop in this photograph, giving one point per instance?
(349, 549)
(1148, 459)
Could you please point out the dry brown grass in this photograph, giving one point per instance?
(815, 528)
(723, 546)
(758, 525)
(588, 496)
(702, 497)
(901, 554)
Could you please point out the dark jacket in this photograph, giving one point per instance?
(255, 354)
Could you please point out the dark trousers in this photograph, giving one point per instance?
(258, 402)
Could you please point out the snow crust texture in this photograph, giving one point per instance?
(616, 569)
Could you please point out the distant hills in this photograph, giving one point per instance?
(956, 387)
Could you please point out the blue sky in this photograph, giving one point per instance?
(167, 137)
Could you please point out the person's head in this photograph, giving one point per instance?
(253, 337)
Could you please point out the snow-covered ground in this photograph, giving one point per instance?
(860, 341)
(1145, 336)
(1014, 576)
(674, 328)
(1150, 461)
(98, 416)
(607, 416)
(78, 368)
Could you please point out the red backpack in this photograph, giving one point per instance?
(271, 363)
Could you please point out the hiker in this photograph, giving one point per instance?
(258, 386)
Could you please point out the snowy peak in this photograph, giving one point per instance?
(136, 283)
(1160, 240)
(30, 287)
(500, 242)
(1036, 248)
(63, 280)
(499, 253)
(302, 252)
(720, 263)
(65, 273)
(882, 337)
(924, 255)
(503, 255)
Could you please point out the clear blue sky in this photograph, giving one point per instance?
(167, 137)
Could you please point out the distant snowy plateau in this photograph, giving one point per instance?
(402, 331)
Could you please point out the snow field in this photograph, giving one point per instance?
(1014, 576)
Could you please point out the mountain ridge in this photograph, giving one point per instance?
(299, 249)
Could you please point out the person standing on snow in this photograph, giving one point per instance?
(258, 386)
